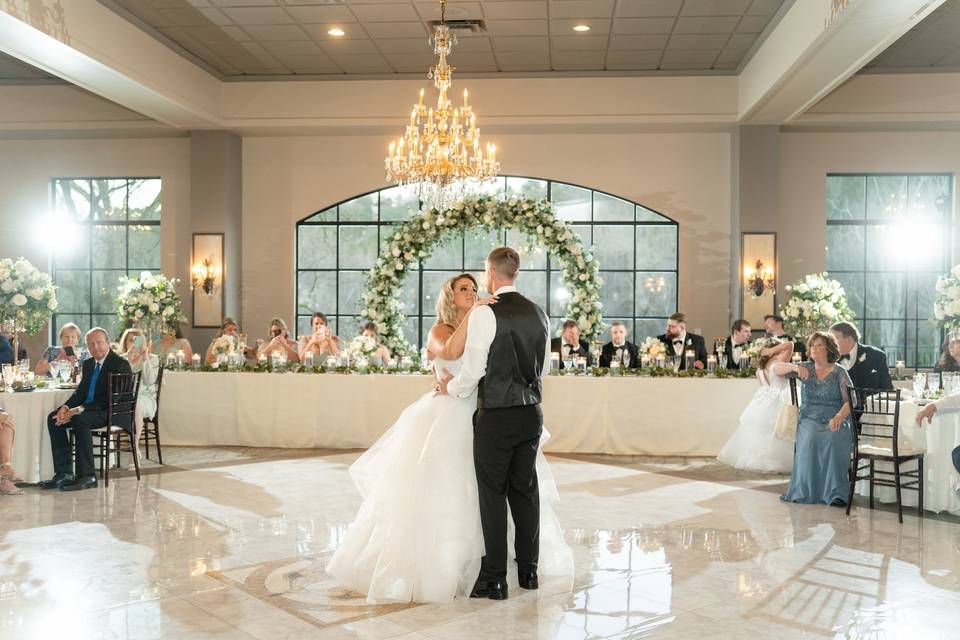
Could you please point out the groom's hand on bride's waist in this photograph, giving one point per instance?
(441, 387)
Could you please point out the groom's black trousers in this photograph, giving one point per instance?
(504, 454)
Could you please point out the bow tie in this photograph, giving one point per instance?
(677, 341)
(845, 358)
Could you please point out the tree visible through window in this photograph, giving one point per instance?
(106, 228)
(636, 248)
(888, 239)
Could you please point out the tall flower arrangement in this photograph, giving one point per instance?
(149, 302)
(946, 308)
(27, 298)
(416, 238)
(813, 304)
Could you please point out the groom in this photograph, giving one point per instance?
(506, 354)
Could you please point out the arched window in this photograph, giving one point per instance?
(636, 248)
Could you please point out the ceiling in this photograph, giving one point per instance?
(13, 70)
(239, 38)
(932, 45)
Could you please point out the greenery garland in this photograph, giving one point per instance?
(417, 237)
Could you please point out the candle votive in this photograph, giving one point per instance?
(331, 362)
(171, 359)
(614, 368)
(901, 368)
(180, 358)
(195, 361)
(308, 359)
(711, 364)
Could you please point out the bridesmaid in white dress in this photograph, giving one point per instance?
(417, 535)
(753, 446)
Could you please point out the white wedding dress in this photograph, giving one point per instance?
(753, 446)
(417, 535)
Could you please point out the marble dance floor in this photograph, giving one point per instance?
(232, 543)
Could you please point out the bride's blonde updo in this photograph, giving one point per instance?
(447, 312)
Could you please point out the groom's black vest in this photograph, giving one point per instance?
(515, 360)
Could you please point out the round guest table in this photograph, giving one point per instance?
(32, 457)
(626, 416)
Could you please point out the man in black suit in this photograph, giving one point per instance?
(678, 342)
(85, 410)
(774, 326)
(568, 345)
(867, 365)
(618, 347)
(736, 343)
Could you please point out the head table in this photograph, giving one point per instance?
(627, 416)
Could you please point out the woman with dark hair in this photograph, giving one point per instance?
(824, 441)
(278, 342)
(382, 354)
(754, 446)
(321, 341)
(949, 355)
(228, 327)
(172, 341)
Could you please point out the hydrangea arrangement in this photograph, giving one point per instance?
(149, 301)
(417, 237)
(27, 296)
(946, 308)
(653, 348)
(813, 304)
(226, 345)
(362, 346)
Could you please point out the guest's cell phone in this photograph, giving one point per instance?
(68, 351)
(322, 332)
(138, 342)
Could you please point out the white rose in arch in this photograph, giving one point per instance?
(154, 307)
(6, 286)
(168, 311)
(18, 300)
(52, 304)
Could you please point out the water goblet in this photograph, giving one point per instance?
(919, 384)
(933, 383)
(626, 359)
(66, 369)
(8, 375)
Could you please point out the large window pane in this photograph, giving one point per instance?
(105, 290)
(317, 247)
(571, 203)
(399, 203)
(886, 295)
(144, 247)
(616, 294)
(855, 290)
(72, 199)
(646, 328)
(362, 209)
(611, 209)
(144, 199)
(614, 246)
(845, 248)
(533, 284)
(448, 255)
(536, 259)
(656, 294)
(358, 247)
(886, 196)
(109, 199)
(656, 247)
(317, 291)
(351, 292)
(845, 197)
(109, 246)
(930, 195)
(477, 246)
(527, 188)
(73, 291)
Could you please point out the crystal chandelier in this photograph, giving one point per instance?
(440, 149)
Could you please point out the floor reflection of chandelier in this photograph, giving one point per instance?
(440, 149)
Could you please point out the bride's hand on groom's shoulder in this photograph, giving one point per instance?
(485, 301)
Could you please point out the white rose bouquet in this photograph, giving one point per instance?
(149, 301)
(653, 348)
(813, 304)
(946, 308)
(362, 346)
(27, 296)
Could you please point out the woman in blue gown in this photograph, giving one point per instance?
(824, 440)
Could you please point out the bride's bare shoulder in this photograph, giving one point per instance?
(441, 331)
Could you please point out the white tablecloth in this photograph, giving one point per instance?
(940, 479)
(31, 449)
(654, 416)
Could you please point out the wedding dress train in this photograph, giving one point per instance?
(753, 446)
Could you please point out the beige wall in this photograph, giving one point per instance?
(684, 175)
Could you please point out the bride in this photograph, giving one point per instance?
(417, 535)
(754, 447)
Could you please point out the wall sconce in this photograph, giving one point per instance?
(759, 279)
(206, 276)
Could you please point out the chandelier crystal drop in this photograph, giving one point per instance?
(440, 149)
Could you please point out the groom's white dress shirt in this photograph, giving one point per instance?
(480, 334)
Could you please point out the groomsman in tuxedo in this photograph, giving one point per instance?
(568, 344)
(678, 341)
(619, 345)
(866, 365)
(774, 326)
(735, 345)
(85, 410)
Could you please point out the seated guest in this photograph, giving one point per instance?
(381, 354)
(824, 442)
(85, 410)
(950, 355)
(228, 327)
(321, 341)
(69, 349)
(618, 348)
(678, 342)
(946, 404)
(278, 342)
(774, 327)
(6, 350)
(734, 346)
(135, 350)
(7, 475)
(568, 345)
(867, 365)
(172, 341)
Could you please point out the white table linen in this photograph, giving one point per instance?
(626, 416)
(32, 458)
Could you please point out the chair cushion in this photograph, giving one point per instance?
(874, 450)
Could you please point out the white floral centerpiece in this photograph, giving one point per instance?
(946, 308)
(415, 240)
(653, 348)
(226, 345)
(27, 298)
(362, 347)
(814, 303)
(149, 302)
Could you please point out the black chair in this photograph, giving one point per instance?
(121, 405)
(876, 438)
(151, 426)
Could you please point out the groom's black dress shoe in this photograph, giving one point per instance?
(528, 580)
(82, 482)
(492, 589)
(58, 480)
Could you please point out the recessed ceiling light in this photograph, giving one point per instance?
(336, 32)
(582, 27)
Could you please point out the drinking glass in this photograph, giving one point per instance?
(933, 382)
(675, 362)
(55, 369)
(626, 359)
(8, 375)
(66, 368)
(919, 384)
(24, 366)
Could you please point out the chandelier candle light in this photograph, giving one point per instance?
(440, 149)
